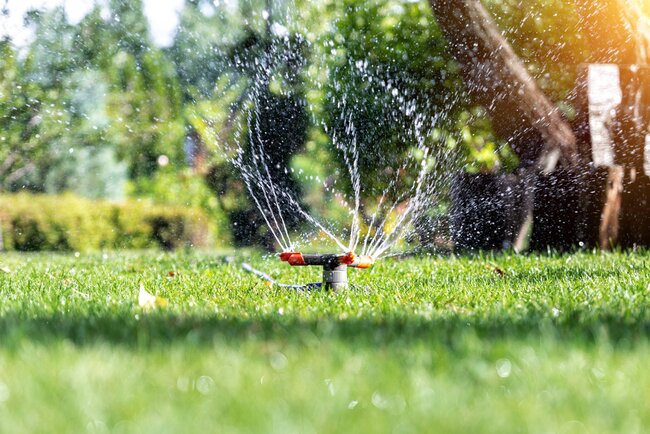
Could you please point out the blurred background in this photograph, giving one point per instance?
(115, 115)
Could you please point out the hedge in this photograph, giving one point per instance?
(30, 222)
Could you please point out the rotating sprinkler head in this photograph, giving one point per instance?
(335, 266)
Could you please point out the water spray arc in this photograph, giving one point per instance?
(375, 211)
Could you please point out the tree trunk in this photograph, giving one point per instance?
(498, 80)
(609, 223)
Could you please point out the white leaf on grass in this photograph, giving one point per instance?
(147, 300)
(5, 270)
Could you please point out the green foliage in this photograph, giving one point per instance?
(548, 36)
(482, 151)
(97, 85)
(84, 101)
(62, 223)
(145, 111)
(421, 345)
(258, 97)
(129, 26)
(184, 189)
(379, 53)
(198, 48)
(22, 152)
(88, 172)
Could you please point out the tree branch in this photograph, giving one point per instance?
(16, 175)
(9, 161)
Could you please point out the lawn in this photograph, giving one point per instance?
(555, 343)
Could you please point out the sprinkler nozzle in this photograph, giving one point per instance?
(357, 261)
(293, 258)
(284, 256)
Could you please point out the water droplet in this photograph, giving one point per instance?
(279, 361)
(4, 392)
(504, 368)
(204, 385)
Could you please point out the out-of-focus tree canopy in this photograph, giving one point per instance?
(93, 106)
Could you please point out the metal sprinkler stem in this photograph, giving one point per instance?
(335, 266)
(335, 278)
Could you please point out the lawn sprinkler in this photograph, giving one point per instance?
(335, 266)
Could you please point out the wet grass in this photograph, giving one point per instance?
(556, 343)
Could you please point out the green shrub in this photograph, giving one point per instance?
(184, 188)
(68, 223)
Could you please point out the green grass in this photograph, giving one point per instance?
(483, 344)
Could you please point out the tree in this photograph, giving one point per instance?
(198, 48)
(129, 29)
(15, 160)
(243, 89)
(497, 79)
(376, 63)
(145, 108)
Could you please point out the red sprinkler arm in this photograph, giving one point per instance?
(363, 262)
(293, 258)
